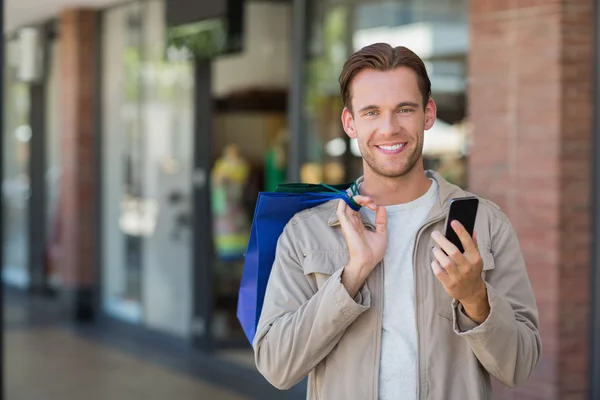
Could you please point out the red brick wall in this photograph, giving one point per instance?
(78, 41)
(576, 178)
(530, 93)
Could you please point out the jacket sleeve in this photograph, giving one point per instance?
(300, 324)
(508, 342)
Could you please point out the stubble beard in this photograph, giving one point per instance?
(410, 165)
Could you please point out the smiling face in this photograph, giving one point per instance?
(388, 120)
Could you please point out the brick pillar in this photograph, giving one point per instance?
(78, 58)
(530, 103)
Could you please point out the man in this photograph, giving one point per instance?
(377, 304)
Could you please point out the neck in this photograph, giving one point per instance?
(392, 191)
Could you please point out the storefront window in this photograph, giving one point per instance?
(53, 170)
(436, 30)
(250, 141)
(147, 162)
(16, 188)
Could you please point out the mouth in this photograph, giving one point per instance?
(391, 148)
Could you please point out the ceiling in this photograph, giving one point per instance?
(18, 13)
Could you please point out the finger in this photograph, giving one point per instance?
(341, 212)
(351, 215)
(365, 201)
(464, 237)
(475, 239)
(445, 262)
(381, 220)
(438, 271)
(450, 249)
(349, 219)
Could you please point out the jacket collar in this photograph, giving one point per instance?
(446, 192)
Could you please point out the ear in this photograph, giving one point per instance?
(348, 123)
(430, 114)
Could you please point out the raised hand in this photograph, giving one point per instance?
(366, 247)
(460, 273)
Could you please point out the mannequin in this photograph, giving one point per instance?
(231, 225)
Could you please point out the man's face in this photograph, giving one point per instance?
(388, 120)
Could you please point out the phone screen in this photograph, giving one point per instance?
(463, 210)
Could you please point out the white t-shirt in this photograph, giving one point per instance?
(398, 367)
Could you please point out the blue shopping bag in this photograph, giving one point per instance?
(272, 213)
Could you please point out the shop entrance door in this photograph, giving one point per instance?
(147, 171)
(241, 148)
(16, 185)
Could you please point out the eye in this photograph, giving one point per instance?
(371, 113)
(405, 110)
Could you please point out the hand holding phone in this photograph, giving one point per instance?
(463, 210)
(460, 274)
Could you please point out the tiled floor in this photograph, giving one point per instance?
(54, 364)
(46, 361)
(240, 357)
(48, 358)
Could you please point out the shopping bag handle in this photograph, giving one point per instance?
(348, 199)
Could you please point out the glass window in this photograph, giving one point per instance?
(166, 164)
(328, 145)
(15, 183)
(250, 140)
(146, 161)
(53, 171)
(436, 30)
(121, 266)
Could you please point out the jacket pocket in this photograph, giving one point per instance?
(488, 260)
(321, 264)
(443, 302)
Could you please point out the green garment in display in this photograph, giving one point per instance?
(275, 169)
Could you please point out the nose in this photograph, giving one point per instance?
(389, 124)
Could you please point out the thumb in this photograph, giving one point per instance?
(381, 220)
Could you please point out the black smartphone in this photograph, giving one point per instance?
(463, 210)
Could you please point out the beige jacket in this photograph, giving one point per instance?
(310, 326)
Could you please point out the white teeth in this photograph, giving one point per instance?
(392, 148)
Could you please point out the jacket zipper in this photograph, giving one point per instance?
(379, 282)
(426, 225)
(380, 277)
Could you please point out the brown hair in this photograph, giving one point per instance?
(383, 57)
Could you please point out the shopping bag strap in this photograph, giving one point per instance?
(297, 187)
(323, 189)
(353, 188)
(348, 199)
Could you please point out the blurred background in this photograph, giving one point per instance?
(137, 135)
